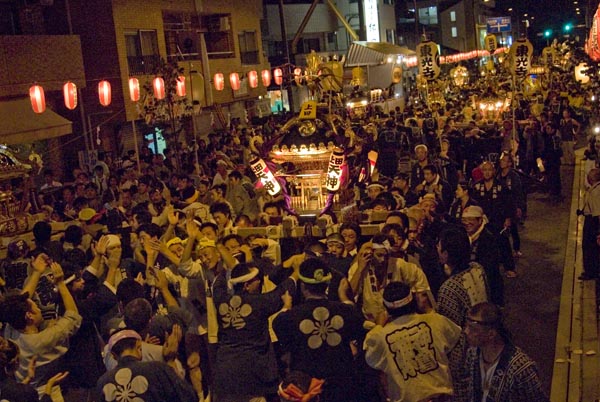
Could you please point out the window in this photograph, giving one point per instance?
(308, 44)
(248, 47)
(453, 16)
(218, 35)
(390, 36)
(142, 51)
(181, 35)
(428, 16)
(454, 32)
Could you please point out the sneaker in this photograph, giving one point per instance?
(511, 274)
(517, 254)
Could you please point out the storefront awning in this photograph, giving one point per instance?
(19, 124)
(374, 53)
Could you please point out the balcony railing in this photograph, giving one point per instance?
(143, 65)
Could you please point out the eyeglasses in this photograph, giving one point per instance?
(478, 323)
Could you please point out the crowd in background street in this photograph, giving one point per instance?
(150, 294)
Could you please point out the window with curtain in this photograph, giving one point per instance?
(142, 51)
(248, 47)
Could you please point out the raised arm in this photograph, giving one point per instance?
(39, 265)
(59, 281)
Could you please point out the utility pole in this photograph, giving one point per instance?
(286, 45)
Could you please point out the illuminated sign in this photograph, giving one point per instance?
(372, 20)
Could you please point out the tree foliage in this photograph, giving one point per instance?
(172, 112)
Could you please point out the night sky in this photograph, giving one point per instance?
(549, 14)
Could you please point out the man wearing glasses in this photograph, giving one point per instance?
(499, 371)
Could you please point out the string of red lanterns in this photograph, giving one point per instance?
(265, 75)
(38, 99)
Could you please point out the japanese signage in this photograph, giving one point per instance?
(265, 176)
(333, 180)
(429, 60)
(309, 110)
(490, 43)
(498, 24)
(372, 20)
(521, 52)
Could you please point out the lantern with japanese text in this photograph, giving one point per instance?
(266, 77)
(298, 75)
(234, 80)
(180, 86)
(134, 89)
(253, 79)
(490, 43)
(580, 73)
(265, 176)
(70, 95)
(521, 52)
(333, 180)
(158, 84)
(429, 60)
(38, 100)
(104, 93)
(219, 81)
(278, 76)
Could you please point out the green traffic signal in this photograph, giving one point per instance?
(568, 27)
(547, 33)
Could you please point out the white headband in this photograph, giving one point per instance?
(398, 303)
(384, 245)
(244, 278)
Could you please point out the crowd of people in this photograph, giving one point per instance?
(151, 293)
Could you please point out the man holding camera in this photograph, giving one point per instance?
(591, 227)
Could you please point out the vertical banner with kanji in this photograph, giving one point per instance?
(265, 176)
(334, 170)
(490, 43)
(521, 52)
(429, 60)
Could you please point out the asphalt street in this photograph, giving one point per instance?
(533, 298)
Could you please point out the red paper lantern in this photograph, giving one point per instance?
(278, 76)
(181, 85)
(298, 75)
(70, 95)
(266, 77)
(104, 93)
(159, 88)
(38, 100)
(219, 81)
(134, 89)
(253, 79)
(234, 80)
